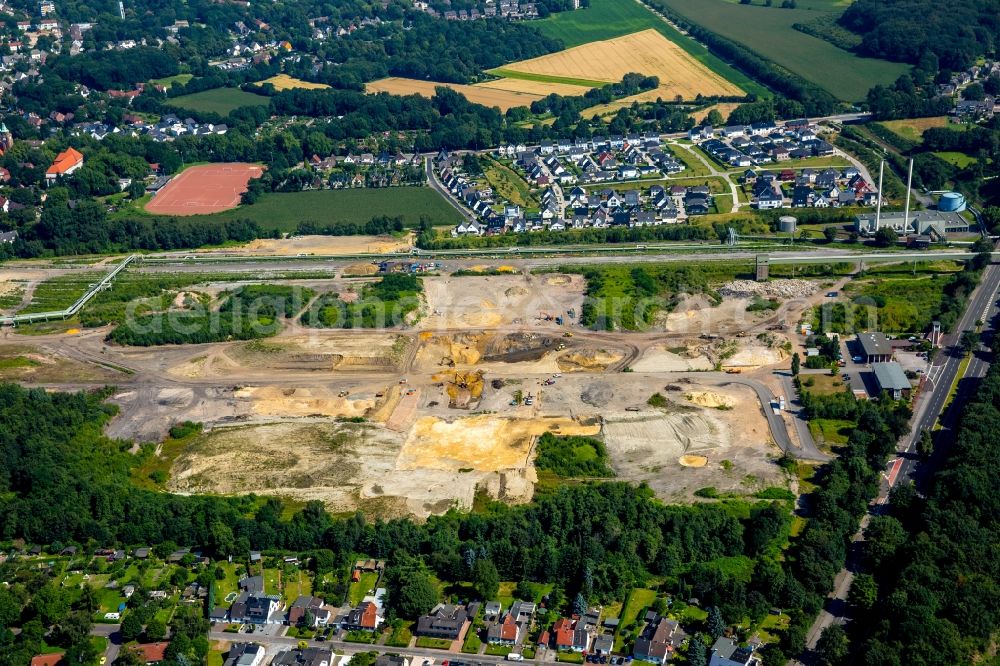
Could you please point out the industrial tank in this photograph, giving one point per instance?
(952, 202)
(786, 224)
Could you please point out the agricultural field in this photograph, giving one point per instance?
(285, 210)
(768, 31)
(487, 96)
(646, 52)
(286, 82)
(218, 100)
(607, 19)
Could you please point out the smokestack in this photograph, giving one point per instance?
(878, 201)
(906, 209)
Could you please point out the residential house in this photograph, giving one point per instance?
(47, 659)
(366, 616)
(311, 656)
(726, 652)
(568, 637)
(658, 640)
(504, 632)
(245, 654)
(305, 608)
(257, 609)
(447, 621)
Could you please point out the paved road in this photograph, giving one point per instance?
(931, 407)
(775, 422)
(439, 187)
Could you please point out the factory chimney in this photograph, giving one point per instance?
(878, 204)
(906, 209)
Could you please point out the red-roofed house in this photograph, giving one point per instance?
(504, 632)
(567, 637)
(152, 653)
(46, 659)
(65, 163)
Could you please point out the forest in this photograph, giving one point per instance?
(953, 34)
(930, 594)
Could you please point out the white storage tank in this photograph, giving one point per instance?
(786, 224)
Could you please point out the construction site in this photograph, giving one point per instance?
(431, 414)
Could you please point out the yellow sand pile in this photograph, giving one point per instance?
(710, 399)
(693, 461)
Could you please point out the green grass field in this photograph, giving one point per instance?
(59, 293)
(509, 185)
(170, 81)
(218, 100)
(768, 31)
(606, 19)
(547, 78)
(285, 210)
(960, 160)
(358, 590)
(831, 432)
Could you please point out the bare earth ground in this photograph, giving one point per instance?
(271, 408)
(323, 245)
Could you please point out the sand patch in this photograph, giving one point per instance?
(692, 461)
(286, 402)
(585, 360)
(659, 358)
(710, 399)
(481, 443)
(322, 245)
(755, 356)
(360, 269)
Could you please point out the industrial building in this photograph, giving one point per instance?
(934, 223)
(891, 379)
(875, 347)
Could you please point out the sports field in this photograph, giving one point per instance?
(286, 82)
(646, 52)
(205, 189)
(284, 211)
(218, 100)
(505, 93)
(607, 19)
(768, 31)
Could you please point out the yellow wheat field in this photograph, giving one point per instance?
(540, 88)
(505, 99)
(646, 52)
(286, 82)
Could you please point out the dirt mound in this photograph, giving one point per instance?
(780, 288)
(465, 389)
(711, 399)
(360, 269)
(558, 280)
(516, 291)
(588, 359)
(692, 461)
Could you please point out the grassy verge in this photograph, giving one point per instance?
(546, 78)
(433, 643)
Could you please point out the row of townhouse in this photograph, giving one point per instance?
(827, 188)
